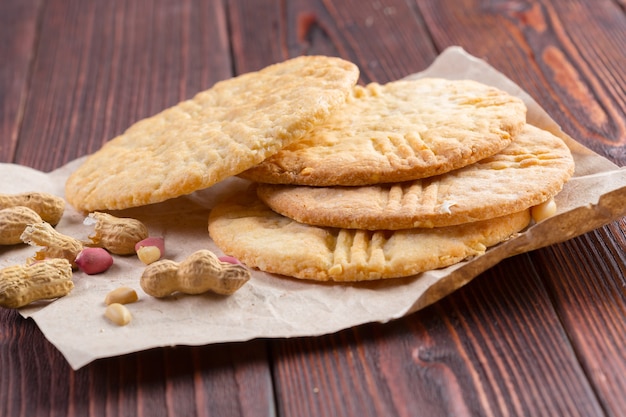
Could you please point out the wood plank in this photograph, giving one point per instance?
(462, 353)
(18, 22)
(588, 286)
(216, 380)
(573, 69)
(388, 40)
(260, 21)
(495, 347)
(100, 66)
(331, 28)
(475, 374)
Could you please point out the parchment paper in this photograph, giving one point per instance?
(271, 306)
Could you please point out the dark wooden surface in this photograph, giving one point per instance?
(543, 333)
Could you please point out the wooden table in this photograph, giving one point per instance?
(542, 333)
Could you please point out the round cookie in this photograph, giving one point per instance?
(399, 131)
(261, 238)
(528, 172)
(218, 133)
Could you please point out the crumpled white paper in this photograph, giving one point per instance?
(271, 306)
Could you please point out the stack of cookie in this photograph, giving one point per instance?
(406, 177)
(350, 183)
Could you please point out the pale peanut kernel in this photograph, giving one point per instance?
(150, 249)
(335, 269)
(148, 254)
(118, 314)
(544, 210)
(121, 295)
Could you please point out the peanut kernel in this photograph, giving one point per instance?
(148, 254)
(229, 260)
(150, 250)
(118, 313)
(93, 260)
(543, 211)
(335, 269)
(121, 295)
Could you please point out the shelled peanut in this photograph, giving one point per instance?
(117, 235)
(21, 285)
(49, 207)
(53, 244)
(200, 272)
(13, 221)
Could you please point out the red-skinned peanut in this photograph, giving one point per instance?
(93, 260)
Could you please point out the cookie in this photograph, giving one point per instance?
(531, 170)
(261, 238)
(220, 132)
(399, 131)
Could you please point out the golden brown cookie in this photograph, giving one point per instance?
(218, 133)
(399, 131)
(250, 231)
(528, 172)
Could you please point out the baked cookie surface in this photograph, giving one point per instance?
(220, 132)
(399, 131)
(250, 231)
(531, 170)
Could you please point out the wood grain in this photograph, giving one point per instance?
(489, 349)
(539, 334)
(215, 380)
(102, 66)
(18, 27)
(587, 284)
(388, 40)
(517, 370)
(96, 68)
(573, 69)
